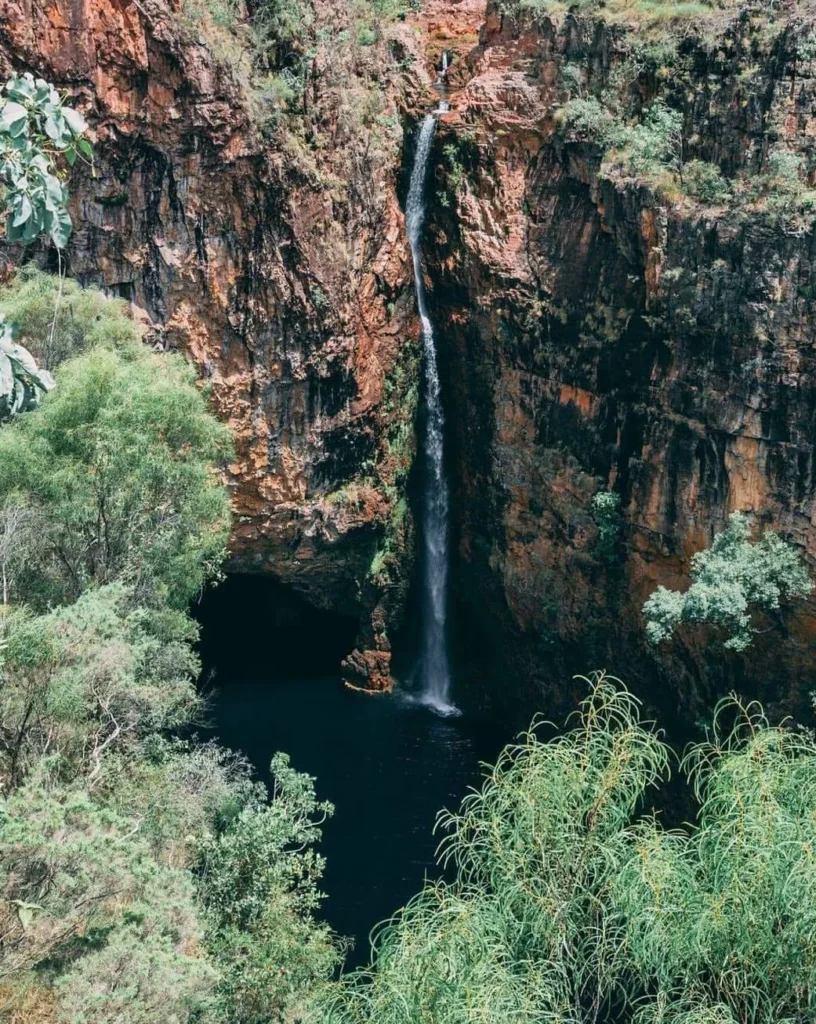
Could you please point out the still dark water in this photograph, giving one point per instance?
(388, 766)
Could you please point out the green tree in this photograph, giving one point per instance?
(181, 791)
(729, 580)
(657, 142)
(81, 897)
(82, 680)
(120, 464)
(572, 905)
(259, 884)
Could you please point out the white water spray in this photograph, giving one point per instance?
(434, 675)
(444, 62)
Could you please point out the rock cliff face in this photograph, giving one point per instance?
(603, 336)
(277, 264)
(595, 332)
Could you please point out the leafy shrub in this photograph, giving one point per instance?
(587, 119)
(20, 530)
(258, 883)
(646, 148)
(606, 513)
(782, 189)
(36, 129)
(90, 678)
(656, 142)
(785, 170)
(729, 579)
(80, 893)
(57, 318)
(571, 904)
(119, 464)
(276, 94)
(705, 181)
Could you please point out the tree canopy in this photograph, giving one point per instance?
(119, 462)
(143, 877)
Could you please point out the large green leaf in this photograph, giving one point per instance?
(6, 377)
(23, 212)
(75, 121)
(13, 118)
(61, 228)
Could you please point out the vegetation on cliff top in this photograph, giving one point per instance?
(288, 56)
(644, 110)
(659, 19)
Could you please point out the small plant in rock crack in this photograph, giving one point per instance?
(607, 516)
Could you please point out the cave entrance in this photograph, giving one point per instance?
(255, 626)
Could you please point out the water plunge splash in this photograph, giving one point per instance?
(434, 674)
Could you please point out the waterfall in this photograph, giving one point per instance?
(434, 672)
(444, 62)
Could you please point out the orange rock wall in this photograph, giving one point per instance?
(597, 336)
(281, 272)
(592, 336)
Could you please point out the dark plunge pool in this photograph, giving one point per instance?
(387, 765)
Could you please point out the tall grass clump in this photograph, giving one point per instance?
(572, 903)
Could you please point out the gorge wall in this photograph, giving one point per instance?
(604, 335)
(275, 259)
(596, 333)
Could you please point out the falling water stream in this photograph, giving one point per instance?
(434, 670)
(387, 765)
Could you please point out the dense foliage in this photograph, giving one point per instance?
(572, 905)
(118, 467)
(143, 878)
(641, 110)
(273, 48)
(56, 319)
(729, 580)
(270, 950)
